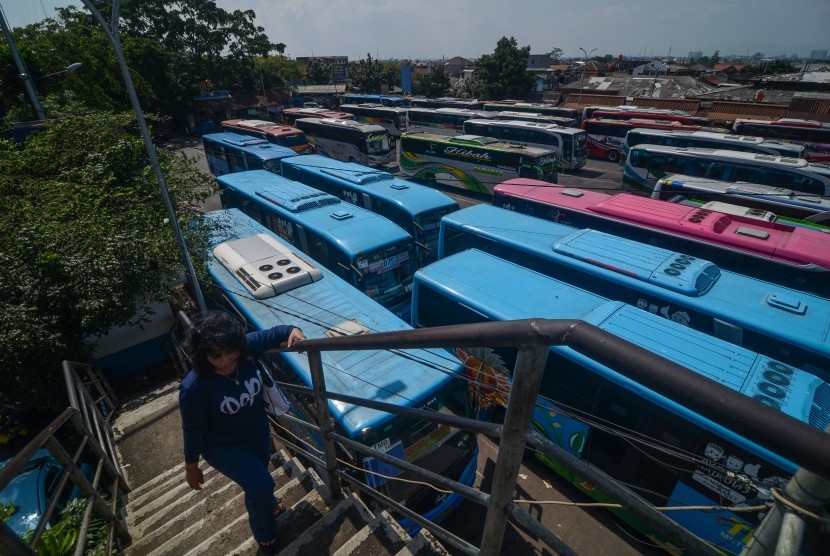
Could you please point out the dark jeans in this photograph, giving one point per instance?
(247, 466)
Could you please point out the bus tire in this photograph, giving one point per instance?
(431, 180)
(612, 156)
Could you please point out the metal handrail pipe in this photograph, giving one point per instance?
(99, 453)
(433, 528)
(472, 425)
(673, 531)
(800, 443)
(525, 520)
(13, 467)
(487, 334)
(433, 478)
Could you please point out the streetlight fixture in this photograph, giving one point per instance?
(71, 67)
(582, 82)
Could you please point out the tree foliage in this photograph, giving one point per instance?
(367, 75)
(84, 232)
(172, 49)
(503, 74)
(318, 72)
(436, 83)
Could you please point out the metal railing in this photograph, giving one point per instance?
(83, 428)
(799, 442)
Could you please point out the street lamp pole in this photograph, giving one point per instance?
(22, 71)
(582, 81)
(112, 32)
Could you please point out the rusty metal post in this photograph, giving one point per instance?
(527, 375)
(315, 363)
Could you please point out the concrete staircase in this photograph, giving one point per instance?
(166, 518)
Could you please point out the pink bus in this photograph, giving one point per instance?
(793, 256)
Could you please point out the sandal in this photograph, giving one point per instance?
(268, 548)
(279, 509)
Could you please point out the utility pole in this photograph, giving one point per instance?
(23, 73)
(111, 31)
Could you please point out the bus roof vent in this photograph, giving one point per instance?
(349, 327)
(667, 269)
(787, 302)
(264, 266)
(298, 203)
(358, 176)
(400, 185)
(341, 215)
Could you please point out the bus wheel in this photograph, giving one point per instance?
(431, 180)
(613, 156)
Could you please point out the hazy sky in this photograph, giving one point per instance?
(435, 28)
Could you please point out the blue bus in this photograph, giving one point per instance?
(323, 305)
(365, 249)
(385, 100)
(227, 153)
(779, 322)
(667, 453)
(415, 208)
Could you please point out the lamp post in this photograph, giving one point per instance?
(582, 81)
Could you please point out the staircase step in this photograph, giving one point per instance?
(340, 524)
(382, 535)
(424, 544)
(226, 499)
(236, 537)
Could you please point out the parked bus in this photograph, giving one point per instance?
(446, 102)
(569, 143)
(628, 112)
(642, 111)
(800, 208)
(544, 109)
(534, 117)
(794, 257)
(351, 141)
(415, 208)
(227, 153)
(425, 379)
(606, 137)
(668, 453)
(383, 100)
(278, 134)
(393, 119)
(693, 292)
(371, 253)
(445, 121)
(472, 162)
(648, 163)
(709, 140)
(815, 136)
(291, 115)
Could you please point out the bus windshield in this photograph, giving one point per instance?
(378, 143)
(386, 275)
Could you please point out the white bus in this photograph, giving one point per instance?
(390, 117)
(443, 121)
(569, 143)
(646, 164)
(350, 141)
(709, 140)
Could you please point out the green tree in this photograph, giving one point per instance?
(556, 53)
(83, 233)
(436, 83)
(367, 75)
(390, 74)
(318, 72)
(503, 74)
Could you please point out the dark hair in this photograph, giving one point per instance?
(210, 331)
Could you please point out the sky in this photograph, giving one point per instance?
(432, 29)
